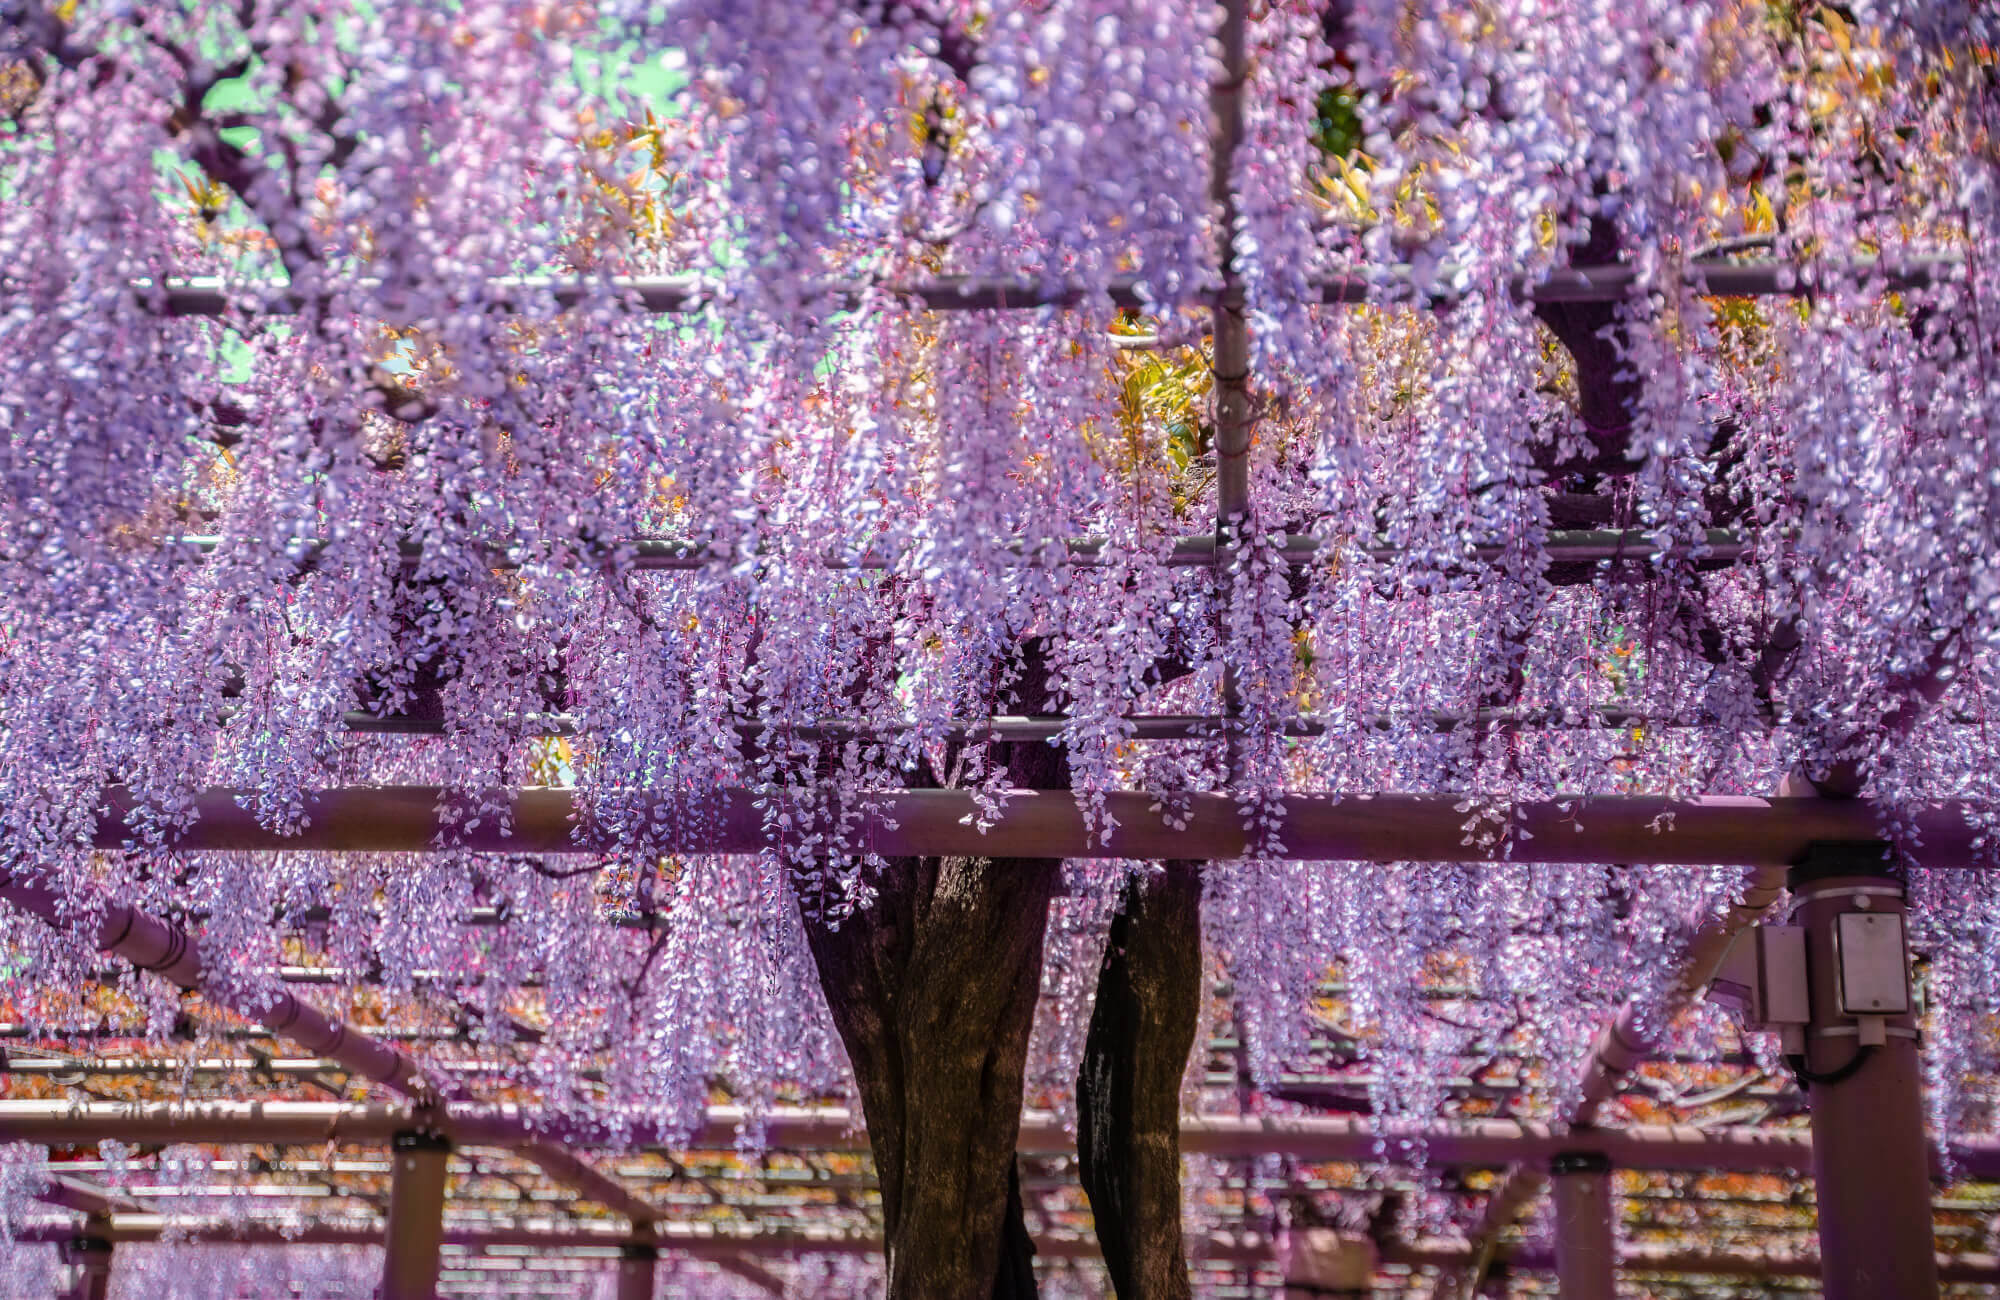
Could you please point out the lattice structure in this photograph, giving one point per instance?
(1433, 596)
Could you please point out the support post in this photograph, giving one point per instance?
(90, 1255)
(416, 1216)
(638, 1264)
(1586, 1229)
(1229, 323)
(1863, 1078)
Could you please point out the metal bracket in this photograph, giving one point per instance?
(1862, 1031)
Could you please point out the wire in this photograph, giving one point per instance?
(1807, 1078)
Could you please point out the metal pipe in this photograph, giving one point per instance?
(278, 1123)
(1708, 830)
(1974, 1269)
(1716, 277)
(1586, 1227)
(1488, 1143)
(416, 1215)
(1864, 1078)
(578, 1174)
(700, 1241)
(1475, 1144)
(1481, 1143)
(693, 1239)
(86, 1198)
(165, 949)
(667, 554)
(1144, 726)
(1235, 415)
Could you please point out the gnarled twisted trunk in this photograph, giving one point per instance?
(1129, 1085)
(933, 991)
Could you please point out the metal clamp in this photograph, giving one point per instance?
(1854, 1031)
(1831, 888)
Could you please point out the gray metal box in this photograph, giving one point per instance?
(1874, 965)
(1784, 995)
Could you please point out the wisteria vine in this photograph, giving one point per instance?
(396, 475)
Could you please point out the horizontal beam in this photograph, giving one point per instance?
(274, 1123)
(1330, 1139)
(1724, 278)
(1713, 277)
(666, 554)
(700, 1241)
(662, 295)
(104, 1029)
(686, 1238)
(1710, 830)
(87, 1198)
(1652, 1259)
(1348, 1139)
(1145, 726)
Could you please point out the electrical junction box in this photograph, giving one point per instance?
(1874, 964)
(1783, 995)
(1764, 976)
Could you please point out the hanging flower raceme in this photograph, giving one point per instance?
(728, 420)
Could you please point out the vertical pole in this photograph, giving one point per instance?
(416, 1216)
(1231, 322)
(91, 1257)
(1230, 330)
(1863, 1078)
(1586, 1231)
(638, 1262)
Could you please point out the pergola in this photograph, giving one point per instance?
(372, 1125)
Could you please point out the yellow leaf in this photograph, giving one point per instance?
(1760, 219)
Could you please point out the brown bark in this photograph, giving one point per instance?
(1607, 391)
(1129, 1086)
(933, 992)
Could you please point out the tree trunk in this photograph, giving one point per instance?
(1606, 389)
(1129, 1086)
(933, 991)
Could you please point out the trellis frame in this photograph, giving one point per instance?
(1766, 835)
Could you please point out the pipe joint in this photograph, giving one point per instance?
(86, 1250)
(1565, 1163)
(420, 1140)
